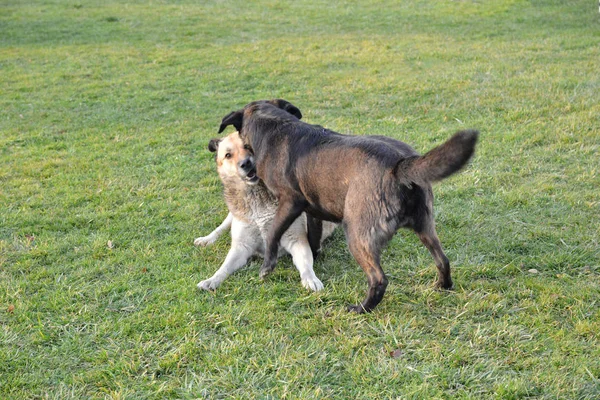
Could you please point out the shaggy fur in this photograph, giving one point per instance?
(372, 184)
(251, 212)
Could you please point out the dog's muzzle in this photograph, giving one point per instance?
(247, 170)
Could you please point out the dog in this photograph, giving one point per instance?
(251, 211)
(373, 185)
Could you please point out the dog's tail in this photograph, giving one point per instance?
(440, 162)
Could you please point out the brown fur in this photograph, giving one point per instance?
(372, 184)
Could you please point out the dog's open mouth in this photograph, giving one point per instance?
(251, 177)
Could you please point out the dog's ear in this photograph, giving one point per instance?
(213, 145)
(234, 118)
(292, 109)
(287, 106)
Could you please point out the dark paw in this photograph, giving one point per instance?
(357, 309)
(444, 285)
(316, 253)
(265, 271)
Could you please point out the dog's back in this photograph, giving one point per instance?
(325, 166)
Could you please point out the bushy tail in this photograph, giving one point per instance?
(441, 161)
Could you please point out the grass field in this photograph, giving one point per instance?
(106, 110)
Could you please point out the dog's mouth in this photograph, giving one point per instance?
(251, 177)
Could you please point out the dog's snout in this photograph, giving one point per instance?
(246, 164)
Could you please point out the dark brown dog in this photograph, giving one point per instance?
(372, 184)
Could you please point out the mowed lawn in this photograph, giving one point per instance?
(106, 110)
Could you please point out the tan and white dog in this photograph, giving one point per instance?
(251, 212)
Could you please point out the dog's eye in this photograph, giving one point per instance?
(246, 147)
(227, 155)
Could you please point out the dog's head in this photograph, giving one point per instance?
(234, 159)
(236, 118)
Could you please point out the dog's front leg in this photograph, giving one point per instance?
(287, 212)
(294, 240)
(236, 259)
(315, 234)
(245, 240)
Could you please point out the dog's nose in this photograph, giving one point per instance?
(245, 164)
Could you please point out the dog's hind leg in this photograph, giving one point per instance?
(296, 243)
(214, 235)
(367, 255)
(286, 214)
(430, 239)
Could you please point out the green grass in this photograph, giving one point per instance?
(105, 113)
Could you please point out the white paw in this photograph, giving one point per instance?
(204, 241)
(208, 284)
(312, 283)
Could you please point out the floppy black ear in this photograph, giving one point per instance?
(287, 106)
(292, 109)
(213, 145)
(234, 118)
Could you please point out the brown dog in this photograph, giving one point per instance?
(372, 184)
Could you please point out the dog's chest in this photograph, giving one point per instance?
(262, 208)
(251, 204)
